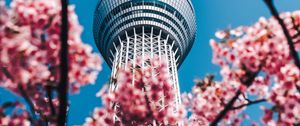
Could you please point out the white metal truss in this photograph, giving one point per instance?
(145, 44)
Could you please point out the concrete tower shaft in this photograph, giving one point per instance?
(173, 17)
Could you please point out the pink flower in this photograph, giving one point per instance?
(268, 115)
(140, 103)
(29, 53)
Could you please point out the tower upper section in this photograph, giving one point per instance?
(114, 18)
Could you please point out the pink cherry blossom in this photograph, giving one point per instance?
(261, 47)
(29, 53)
(139, 103)
(15, 119)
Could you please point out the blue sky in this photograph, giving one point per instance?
(212, 15)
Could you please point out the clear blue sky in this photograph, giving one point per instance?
(211, 15)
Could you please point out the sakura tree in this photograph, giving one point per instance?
(259, 63)
(137, 103)
(32, 59)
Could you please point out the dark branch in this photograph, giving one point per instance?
(296, 35)
(8, 104)
(293, 52)
(247, 81)
(24, 95)
(249, 103)
(244, 96)
(63, 84)
(296, 27)
(5, 106)
(6, 73)
(28, 100)
(49, 90)
(226, 109)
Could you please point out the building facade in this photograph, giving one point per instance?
(125, 30)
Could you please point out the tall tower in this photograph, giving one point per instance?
(127, 29)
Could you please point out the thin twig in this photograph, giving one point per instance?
(296, 27)
(63, 84)
(293, 51)
(249, 103)
(28, 100)
(24, 95)
(244, 96)
(5, 106)
(247, 81)
(228, 106)
(8, 105)
(296, 35)
(6, 73)
(50, 98)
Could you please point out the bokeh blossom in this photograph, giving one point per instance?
(138, 101)
(29, 52)
(260, 51)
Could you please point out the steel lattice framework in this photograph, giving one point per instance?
(145, 45)
(125, 30)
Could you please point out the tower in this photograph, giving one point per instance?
(127, 29)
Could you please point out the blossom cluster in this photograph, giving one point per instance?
(30, 48)
(208, 98)
(260, 50)
(15, 119)
(143, 96)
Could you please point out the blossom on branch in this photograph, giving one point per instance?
(146, 99)
(15, 118)
(255, 61)
(30, 48)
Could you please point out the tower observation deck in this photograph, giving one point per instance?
(127, 29)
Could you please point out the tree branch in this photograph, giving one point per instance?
(50, 97)
(5, 106)
(296, 27)
(6, 73)
(8, 104)
(296, 35)
(293, 52)
(249, 103)
(63, 84)
(220, 116)
(28, 100)
(24, 95)
(247, 81)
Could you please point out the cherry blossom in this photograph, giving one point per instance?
(29, 53)
(260, 50)
(208, 98)
(138, 101)
(255, 61)
(15, 119)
